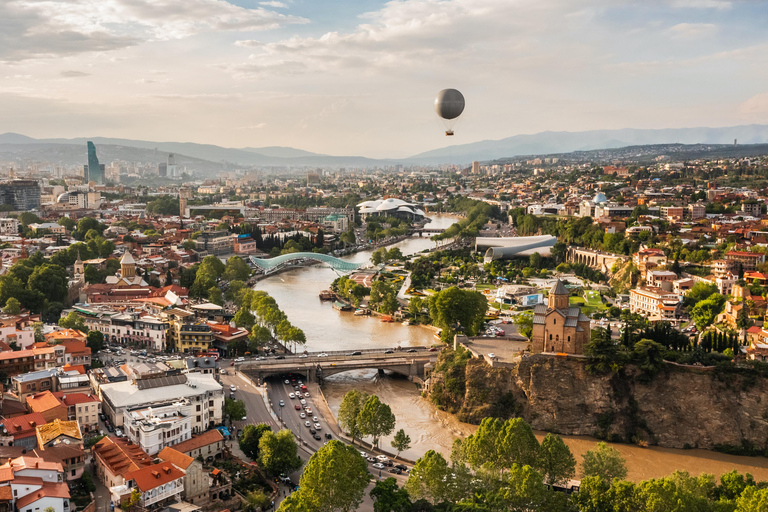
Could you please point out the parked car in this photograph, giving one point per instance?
(379, 465)
(317, 436)
(382, 458)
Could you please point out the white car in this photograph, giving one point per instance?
(307, 424)
(282, 404)
(232, 388)
(315, 419)
(365, 455)
(317, 426)
(302, 415)
(382, 458)
(240, 360)
(291, 395)
(287, 381)
(379, 465)
(306, 394)
(303, 402)
(492, 355)
(322, 355)
(303, 355)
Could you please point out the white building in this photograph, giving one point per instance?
(9, 226)
(654, 303)
(154, 428)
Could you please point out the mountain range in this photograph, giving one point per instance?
(211, 157)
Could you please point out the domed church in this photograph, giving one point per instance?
(559, 327)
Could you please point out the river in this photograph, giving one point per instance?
(296, 291)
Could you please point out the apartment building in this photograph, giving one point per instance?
(154, 428)
(748, 260)
(654, 303)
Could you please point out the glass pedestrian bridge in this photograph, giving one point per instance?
(272, 264)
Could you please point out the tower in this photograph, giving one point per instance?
(79, 268)
(184, 195)
(95, 170)
(127, 266)
(171, 166)
(558, 296)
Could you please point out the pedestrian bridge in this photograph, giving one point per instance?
(316, 368)
(272, 264)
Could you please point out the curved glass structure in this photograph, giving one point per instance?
(268, 265)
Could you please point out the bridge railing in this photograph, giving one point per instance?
(338, 355)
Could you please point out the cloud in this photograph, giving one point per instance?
(73, 74)
(248, 43)
(755, 108)
(721, 5)
(34, 29)
(277, 5)
(252, 127)
(692, 30)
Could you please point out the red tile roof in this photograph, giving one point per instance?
(75, 398)
(42, 402)
(48, 490)
(23, 426)
(154, 476)
(175, 457)
(121, 456)
(196, 442)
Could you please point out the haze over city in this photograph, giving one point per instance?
(358, 78)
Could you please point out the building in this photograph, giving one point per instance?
(697, 210)
(655, 303)
(23, 429)
(158, 484)
(194, 338)
(9, 226)
(23, 195)
(207, 445)
(83, 408)
(114, 457)
(94, 171)
(196, 481)
(154, 428)
(216, 243)
(747, 260)
(647, 259)
(202, 391)
(49, 407)
(751, 208)
(559, 327)
(671, 213)
(59, 432)
(32, 484)
(391, 207)
(657, 278)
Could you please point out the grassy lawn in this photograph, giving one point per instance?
(576, 301)
(481, 287)
(593, 299)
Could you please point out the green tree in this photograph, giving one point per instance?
(395, 254)
(349, 411)
(401, 441)
(278, 453)
(250, 437)
(234, 410)
(555, 460)
(12, 306)
(705, 311)
(649, 356)
(375, 419)
(215, 295)
(236, 269)
(322, 487)
(73, 321)
(498, 444)
(429, 478)
(453, 306)
(95, 341)
(602, 352)
(379, 256)
(388, 497)
(256, 501)
(605, 462)
(244, 318)
(524, 322)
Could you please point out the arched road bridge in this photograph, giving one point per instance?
(272, 264)
(315, 367)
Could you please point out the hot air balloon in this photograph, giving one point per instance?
(449, 105)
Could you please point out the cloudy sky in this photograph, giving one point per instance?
(358, 77)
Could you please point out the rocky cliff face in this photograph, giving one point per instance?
(678, 408)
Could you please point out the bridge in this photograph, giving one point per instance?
(408, 362)
(428, 231)
(272, 264)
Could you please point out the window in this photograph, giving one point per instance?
(554, 321)
(550, 337)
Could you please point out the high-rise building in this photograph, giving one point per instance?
(22, 194)
(162, 170)
(95, 170)
(171, 166)
(475, 167)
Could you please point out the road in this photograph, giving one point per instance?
(289, 417)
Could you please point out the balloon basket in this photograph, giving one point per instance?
(449, 133)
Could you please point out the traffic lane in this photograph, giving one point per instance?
(255, 410)
(290, 416)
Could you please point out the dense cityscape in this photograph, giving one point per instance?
(147, 365)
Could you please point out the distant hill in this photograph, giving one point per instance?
(565, 142)
(272, 156)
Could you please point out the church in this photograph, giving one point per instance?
(559, 327)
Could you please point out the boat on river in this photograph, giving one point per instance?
(327, 295)
(340, 306)
(387, 319)
(362, 312)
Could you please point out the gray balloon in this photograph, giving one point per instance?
(449, 104)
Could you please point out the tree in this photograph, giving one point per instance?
(388, 497)
(753, 500)
(234, 409)
(705, 311)
(429, 478)
(278, 453)
(95, 341)
(349, 411)
(215, 295)
(605, 462)
(401, 442)
(250, 438)
(375, 419)
(453, 306)
(498, 444)
(379, 256)
(524, 322)
(73, 321)
(256, 501)
(602, 352)
(555, 460)
(395, 254)
(236, 269)
(244, 318)
(649, 356)
(12, 306)
(334, 479)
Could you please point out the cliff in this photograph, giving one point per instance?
(679, 408)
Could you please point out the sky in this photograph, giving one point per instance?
(359, 77)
